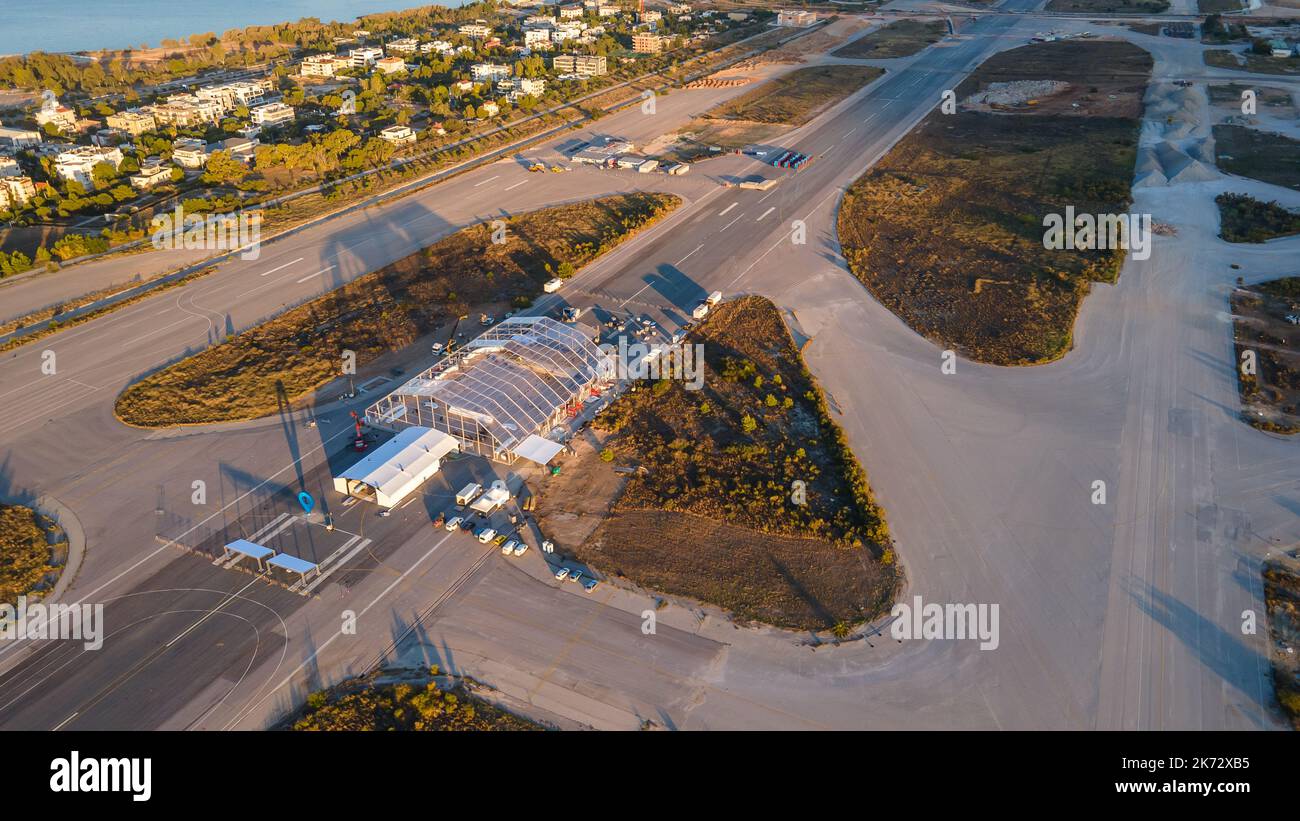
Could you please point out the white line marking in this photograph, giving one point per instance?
(318, 273)
(66, 720)
(485, 182)
(724, 211)
(765, 213)
(733, 222)
(516, 185)
(688, 256)
(282, 267)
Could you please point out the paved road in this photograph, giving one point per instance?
(1115, 616)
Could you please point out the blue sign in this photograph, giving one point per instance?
(306, 501)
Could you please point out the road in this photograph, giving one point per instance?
(1115, 616)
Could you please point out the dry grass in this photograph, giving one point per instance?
(901, 38)
(1282, 600)
(1270, 397)
(713, 511)
(275, 363)
(960, 202)
(1261, 155)
(795, 98)
(24, 552)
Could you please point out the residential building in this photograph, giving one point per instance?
(60, 116)
(365, 56)
(650, 16)
(271, 115)
(132, 121)
(584, 65)
(9, 167)
(243, 149)
(230, 95)
(19, 189)
(570, 12)
(647, 43)
(151, 176)
(796, 17)
(567, 31)
(478, 30)
(78, 164)
(488, 72)
(189, 153)
(679, 8)
(390, 65)
(490, 108)
(539, 21)
(185, 110)
(1277, 48)
(440, 46)
(398, 135)
(19, 137)
(322, 65)
(406, 45)
(605, 10)
(537, 38)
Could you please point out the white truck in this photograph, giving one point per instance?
(468, 494)
(714, 298)
(553, 285)
(701, 310)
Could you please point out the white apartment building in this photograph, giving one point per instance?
(539, 21)
(151, 176)
(322, 65)
(651, 16)
(440, 46)
(19, 137)
(405, 45)
(189, 153)
(537, 38)
(398, 135)
(647, 43)
(570, 12)
(488, 72)
(795, 17)
(271, 114)
(184, 110)
(607, 11)
(478, 30)
(77, 164)
(62, 117)
(133, 122)
(567, 31)
(390, 65)
(679, 8)
(584, 65)
(16, 190)
(365, 56)
(229, 95)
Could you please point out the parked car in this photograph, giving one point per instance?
(521, 548)
(590, 585)
(437, 348)
(466, 525)
(562, 574)
(508, 548)
(486, 535)
(500, 539)
(575, 575)
(453, 523)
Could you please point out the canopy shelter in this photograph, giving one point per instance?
(539, 450)
(243, 547)
(396, 468)
(295, 565)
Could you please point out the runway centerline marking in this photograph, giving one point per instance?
(733, 222)
(281, 267)
(683, 259)
(516, 185)
(765, 213)
(488, 180)
(318, 273)
(724, 211)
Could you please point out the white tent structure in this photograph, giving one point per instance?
(396, 468)
(519, 379)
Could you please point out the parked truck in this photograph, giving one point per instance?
(468, 494)
(553, 285)
(701, 310)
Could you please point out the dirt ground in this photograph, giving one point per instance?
(1270, 398)
(571, 505)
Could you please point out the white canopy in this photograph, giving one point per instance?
(401, 464)
(539, 450)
